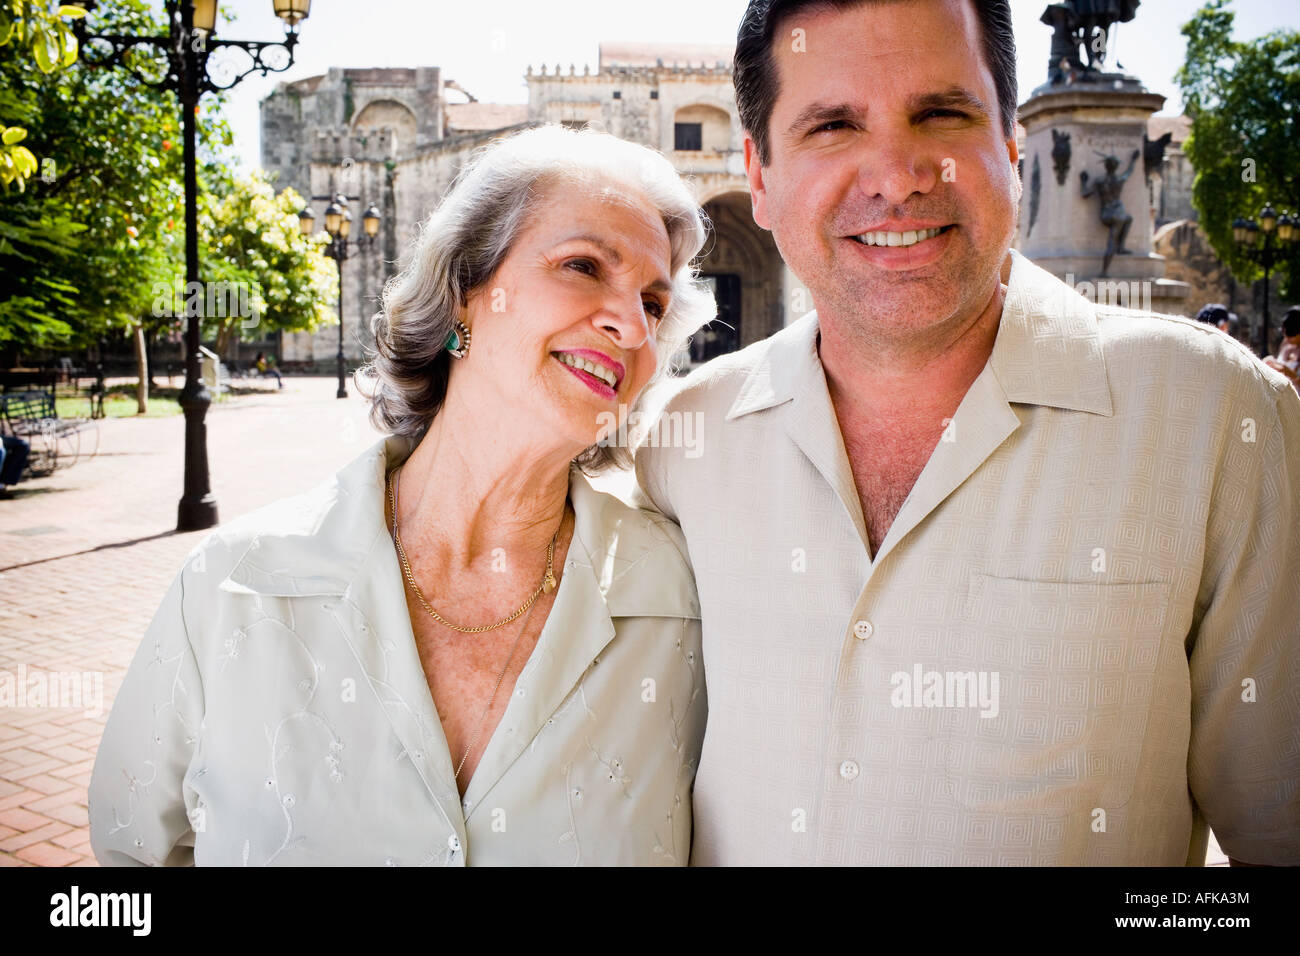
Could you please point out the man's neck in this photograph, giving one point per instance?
(893, 401)
(884, 379)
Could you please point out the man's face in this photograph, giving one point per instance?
(886, 122)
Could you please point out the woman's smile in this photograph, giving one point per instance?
(596, 370)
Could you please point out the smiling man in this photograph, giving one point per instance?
(958, 480)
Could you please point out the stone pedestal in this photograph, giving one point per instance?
(1061, 230)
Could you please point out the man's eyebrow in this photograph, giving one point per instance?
(815, 114)
(659, 285)
(954, 97)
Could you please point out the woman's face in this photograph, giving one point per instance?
(564, 333)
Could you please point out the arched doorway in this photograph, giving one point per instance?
(743, 266)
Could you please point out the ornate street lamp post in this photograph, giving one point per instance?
(338, 223)
(1267, 242)
(187, 48)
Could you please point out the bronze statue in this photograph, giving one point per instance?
(1113, 214)
(1060, 155)
(1086, 23)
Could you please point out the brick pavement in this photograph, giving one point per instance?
(86, 555)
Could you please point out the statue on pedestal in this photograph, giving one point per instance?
(1082, 22)
(1113, 214)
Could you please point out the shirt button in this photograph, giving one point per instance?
(862, 630)
(848, 770)
(453, 842)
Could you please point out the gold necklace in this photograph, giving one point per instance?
(548, 580)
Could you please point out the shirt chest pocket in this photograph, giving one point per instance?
(1074, 669)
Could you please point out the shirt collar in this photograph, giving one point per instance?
(322, 541)
(1047, 351)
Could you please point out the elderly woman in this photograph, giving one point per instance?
(457, 651)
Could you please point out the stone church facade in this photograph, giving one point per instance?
(398, 137)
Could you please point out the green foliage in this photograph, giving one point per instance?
(27, 27)
(1244, 102)
(101, 225)
(80, 247)
(253, 237)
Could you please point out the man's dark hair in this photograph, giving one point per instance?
(1291, 321)
(754, 68)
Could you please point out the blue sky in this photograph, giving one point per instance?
(486, 45)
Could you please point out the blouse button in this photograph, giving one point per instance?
(453, 843)
(289, 800)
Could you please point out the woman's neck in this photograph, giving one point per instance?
(471, 494)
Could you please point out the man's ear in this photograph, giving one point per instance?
(757, 190)
(1013, 156)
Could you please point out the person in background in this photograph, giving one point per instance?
(13, 459)
(1212, 314)
(1229, 323)
(264, 367)
(1288, 355)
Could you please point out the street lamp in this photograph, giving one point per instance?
(1267, 243)
(187, 47)
(338, 223)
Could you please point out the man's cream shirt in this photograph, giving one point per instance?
(1078, 643)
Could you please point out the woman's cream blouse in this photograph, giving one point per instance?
(277, 711)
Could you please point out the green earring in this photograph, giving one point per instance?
(458, 341)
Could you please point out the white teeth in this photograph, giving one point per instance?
(602, 373)
(909, 238)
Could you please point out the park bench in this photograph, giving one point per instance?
(55, 442)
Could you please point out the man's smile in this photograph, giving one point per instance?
(903, 250)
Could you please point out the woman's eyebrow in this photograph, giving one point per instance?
(615, 256)
(659, 285)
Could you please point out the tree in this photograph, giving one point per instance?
(81, 246)
(82, 249)
(86, 247)
(251, 242)
(28, 27)
(1244, 102)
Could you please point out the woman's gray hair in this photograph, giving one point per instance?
(461, 245)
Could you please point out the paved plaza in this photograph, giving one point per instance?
(86, 555)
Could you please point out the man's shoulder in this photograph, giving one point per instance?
(1145, 348)
(716, 384)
